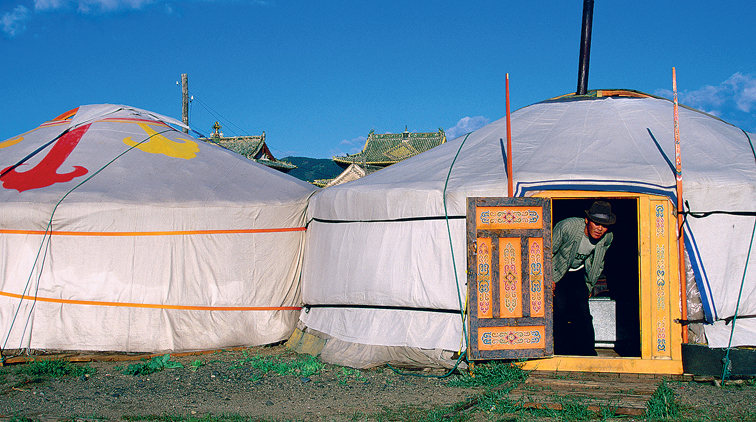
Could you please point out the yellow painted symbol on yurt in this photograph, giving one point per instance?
(159, 144)
(11, 142)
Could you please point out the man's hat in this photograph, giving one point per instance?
(601, 213)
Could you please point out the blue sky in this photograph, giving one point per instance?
(317, 76)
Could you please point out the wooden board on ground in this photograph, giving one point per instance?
(625, 394)
(100, 357)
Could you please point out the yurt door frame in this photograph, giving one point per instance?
(659, 294)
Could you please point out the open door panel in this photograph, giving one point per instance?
(509, 278)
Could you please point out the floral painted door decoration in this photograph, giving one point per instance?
(509, 277)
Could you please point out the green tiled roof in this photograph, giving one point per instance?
(248, 146)
(252, 147)
(389, 148)
(278, 164)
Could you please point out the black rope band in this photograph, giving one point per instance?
(727, 320)
(381, 307)
(396, 220)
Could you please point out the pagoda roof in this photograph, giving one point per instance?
(250, 146)
(390, 148)
(353, 172)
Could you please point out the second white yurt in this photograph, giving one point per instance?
(119, 232)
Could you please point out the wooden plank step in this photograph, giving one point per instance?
(607, 399)
(552, 391)
(561, 384)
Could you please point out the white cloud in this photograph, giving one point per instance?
(351, 146)
(732, 100)
(744, 87)
(14, 22)
(90, 6)
(104, 6)
(42, 5)
(707, 96)
(738, 88)
(465, 125)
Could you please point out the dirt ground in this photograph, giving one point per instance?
(229, 385)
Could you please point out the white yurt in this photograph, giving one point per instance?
(119, 232)
(385, 270)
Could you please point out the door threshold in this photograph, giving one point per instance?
(633, 365)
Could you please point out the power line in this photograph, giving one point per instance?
(217, 116)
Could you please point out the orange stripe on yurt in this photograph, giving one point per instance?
(152, 306)
(67, 115)
(161, 233)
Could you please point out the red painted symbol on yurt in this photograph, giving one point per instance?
(45, 173)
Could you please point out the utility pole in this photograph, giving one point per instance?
(185, 100)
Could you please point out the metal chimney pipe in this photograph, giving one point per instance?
(585, 48)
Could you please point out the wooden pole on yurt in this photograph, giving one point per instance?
(510, 186)
(681, 232)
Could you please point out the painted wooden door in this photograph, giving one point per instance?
(509, 278)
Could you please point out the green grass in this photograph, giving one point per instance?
(20, 419)
(416, 414)
(196, 364)
(4, 374)
(496, 378)
(347, 374)
(156, 364)
(192, 418)
(572, 409)
(54, 369)
(575, 409)
(499, 378)
(662, 405)
(498, 402)
(301, 366)
(489, 374)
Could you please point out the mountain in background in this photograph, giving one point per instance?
(311, 169)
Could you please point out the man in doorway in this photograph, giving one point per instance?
(579, 246)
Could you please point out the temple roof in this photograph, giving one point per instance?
(252, 147)
(389, 148)
(353, 172)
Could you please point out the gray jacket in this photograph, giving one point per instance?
(565, 240)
